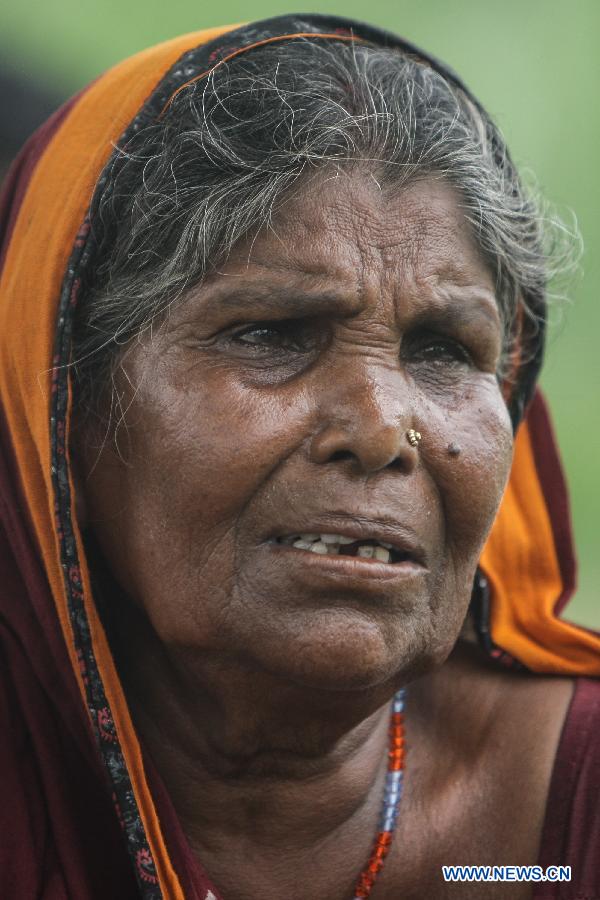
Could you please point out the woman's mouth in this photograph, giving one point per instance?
(325, 544)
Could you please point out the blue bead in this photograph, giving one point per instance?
(398, 701)
(391, 814)
(394, 781)
(393, 787)
(390, 810)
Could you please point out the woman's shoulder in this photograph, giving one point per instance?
(553, 725)
(575, 778)
(581, 730)
(571, 833)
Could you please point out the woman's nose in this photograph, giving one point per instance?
(369, 425)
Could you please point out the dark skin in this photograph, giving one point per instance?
(276, 400)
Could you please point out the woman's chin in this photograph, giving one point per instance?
(344, 652)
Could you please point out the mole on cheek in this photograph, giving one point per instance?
(453, 450)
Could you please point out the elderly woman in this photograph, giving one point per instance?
(272, 316)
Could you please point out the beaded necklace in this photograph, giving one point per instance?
(391, 801)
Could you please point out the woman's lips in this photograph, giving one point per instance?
(343, 545)
(355, 568)
(356, 549)
(386, 541)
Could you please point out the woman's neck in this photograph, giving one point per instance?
(273, 782)
(242, 754)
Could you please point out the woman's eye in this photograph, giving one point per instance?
(441, 350)
(289, 336)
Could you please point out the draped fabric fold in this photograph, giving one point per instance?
(72, 746)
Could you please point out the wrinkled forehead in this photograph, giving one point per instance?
(348, 233)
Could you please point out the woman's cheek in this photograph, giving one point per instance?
(470, 454)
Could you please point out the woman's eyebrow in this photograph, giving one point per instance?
(284, 299)
(456, 313)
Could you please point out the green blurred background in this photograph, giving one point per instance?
(535, 65)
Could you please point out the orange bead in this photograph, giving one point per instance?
(395, 755)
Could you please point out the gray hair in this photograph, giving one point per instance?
(216, 166)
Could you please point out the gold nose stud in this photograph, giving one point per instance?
(413, 437)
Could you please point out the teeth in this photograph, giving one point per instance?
(366, 552)
(330, 544)
(336, 539)
(382, 554)
(319, 547)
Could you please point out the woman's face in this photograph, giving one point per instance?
(275, 402)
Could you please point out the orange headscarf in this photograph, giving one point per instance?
(528, 559)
